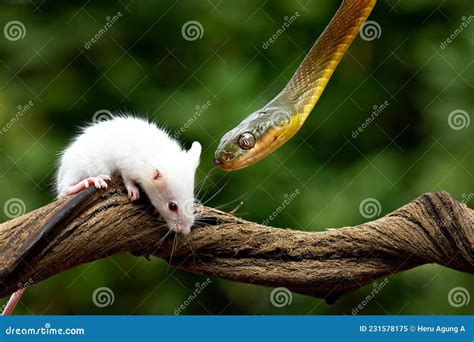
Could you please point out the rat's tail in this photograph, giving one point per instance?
(12, 302)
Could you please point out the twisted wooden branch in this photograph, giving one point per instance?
(433, 228)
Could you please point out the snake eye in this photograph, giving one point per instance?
(246, 141)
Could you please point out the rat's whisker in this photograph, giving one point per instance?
(198, 224)
(233, 211)
(173, 246)
(163, 239)
(233, 201)
(203, 182)
(192, 250)
(214, 185)
(209, 173)
(217, 192)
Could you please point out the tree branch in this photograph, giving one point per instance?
(433, 228)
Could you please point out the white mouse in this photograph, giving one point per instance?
(142, 154)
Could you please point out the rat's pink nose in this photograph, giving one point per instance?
(184, 229)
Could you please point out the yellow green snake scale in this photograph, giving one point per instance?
(263, 131)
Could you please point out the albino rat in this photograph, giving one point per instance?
(142, 154)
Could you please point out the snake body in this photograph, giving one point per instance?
(265, 130)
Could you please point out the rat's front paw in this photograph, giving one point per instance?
(132, 190)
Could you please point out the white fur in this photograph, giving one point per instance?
(134, 149)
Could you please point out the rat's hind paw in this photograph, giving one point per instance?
(99, 182)
(102, 179)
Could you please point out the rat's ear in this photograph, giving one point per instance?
(195, 153)
(156, 174)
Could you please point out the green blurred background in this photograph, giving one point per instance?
(143, 64)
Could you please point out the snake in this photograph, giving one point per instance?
(268, 128)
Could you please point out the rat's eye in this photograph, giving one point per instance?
(173, 206)
(246, 141)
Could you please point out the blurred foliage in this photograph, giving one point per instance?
(142, 64)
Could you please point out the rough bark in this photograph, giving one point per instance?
(433, 228)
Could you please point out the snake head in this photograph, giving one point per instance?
(257, 136)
